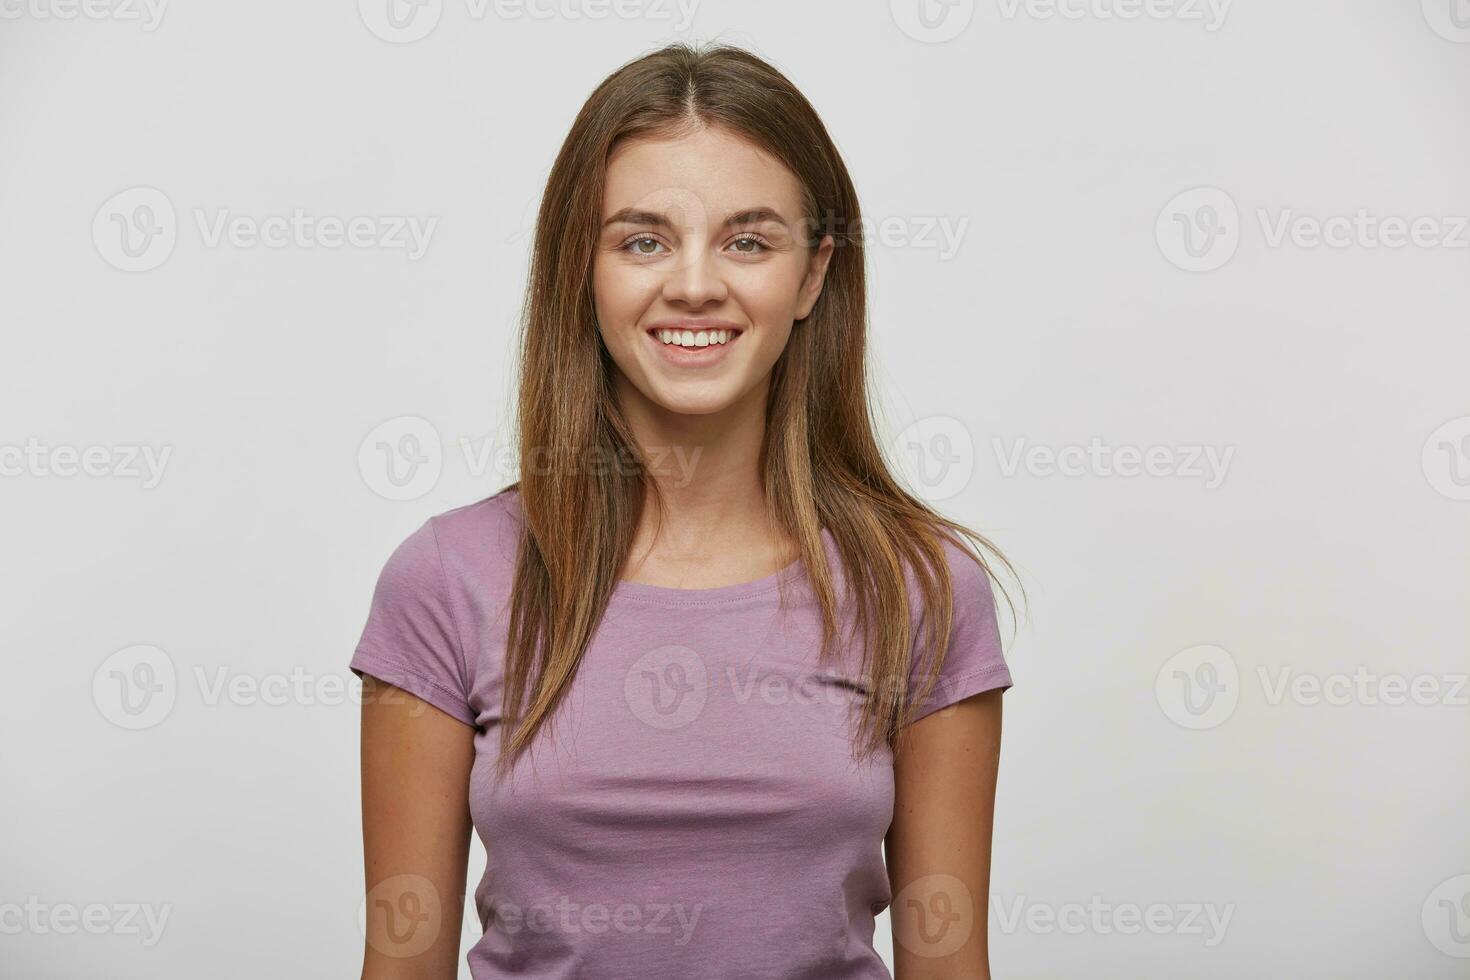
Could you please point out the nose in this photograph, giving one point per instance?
(695, 280)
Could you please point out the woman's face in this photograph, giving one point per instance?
(703, 263)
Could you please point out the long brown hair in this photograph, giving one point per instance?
(821, 463)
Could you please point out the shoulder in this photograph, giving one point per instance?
(969, 659)
(477, 543)
(969, 579)
(493, 521)
(474, 544)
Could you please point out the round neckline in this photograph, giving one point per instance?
(720, 593)
(668, 595)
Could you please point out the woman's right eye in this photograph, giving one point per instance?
(635, 244)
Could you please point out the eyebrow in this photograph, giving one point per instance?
(753, 215)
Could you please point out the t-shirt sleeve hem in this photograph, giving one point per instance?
(951, 692)
(415, 683)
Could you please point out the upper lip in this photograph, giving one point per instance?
(694, 323)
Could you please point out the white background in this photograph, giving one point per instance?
(1056, 144)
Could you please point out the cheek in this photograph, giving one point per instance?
(772, 340)
(769, 291)
(617, 299)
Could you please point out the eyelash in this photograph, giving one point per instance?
(747, 236)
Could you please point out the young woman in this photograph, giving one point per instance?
(686, 675)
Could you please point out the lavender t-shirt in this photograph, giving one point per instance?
(695, 811)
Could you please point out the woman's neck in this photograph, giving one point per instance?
(708, 524)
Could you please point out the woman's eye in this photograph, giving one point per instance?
(752, 240)
(636, 244)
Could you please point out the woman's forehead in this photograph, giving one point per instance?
(709, 175)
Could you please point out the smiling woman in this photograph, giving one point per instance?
(693, 240)
(686, 711)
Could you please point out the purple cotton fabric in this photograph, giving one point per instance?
(695, 810)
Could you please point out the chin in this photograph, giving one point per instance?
(717, 392)
(677, 402)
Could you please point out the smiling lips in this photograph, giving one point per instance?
(693, 338)
(693, 342)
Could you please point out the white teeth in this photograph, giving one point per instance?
(693, 338)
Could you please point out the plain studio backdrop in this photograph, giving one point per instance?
(1168, 299)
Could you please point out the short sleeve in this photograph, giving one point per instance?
(411, 639)
(973, 660)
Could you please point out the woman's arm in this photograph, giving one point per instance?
(938, 847)
(416, 834)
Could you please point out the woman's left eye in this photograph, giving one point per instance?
(637, 240)
(751, 240)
